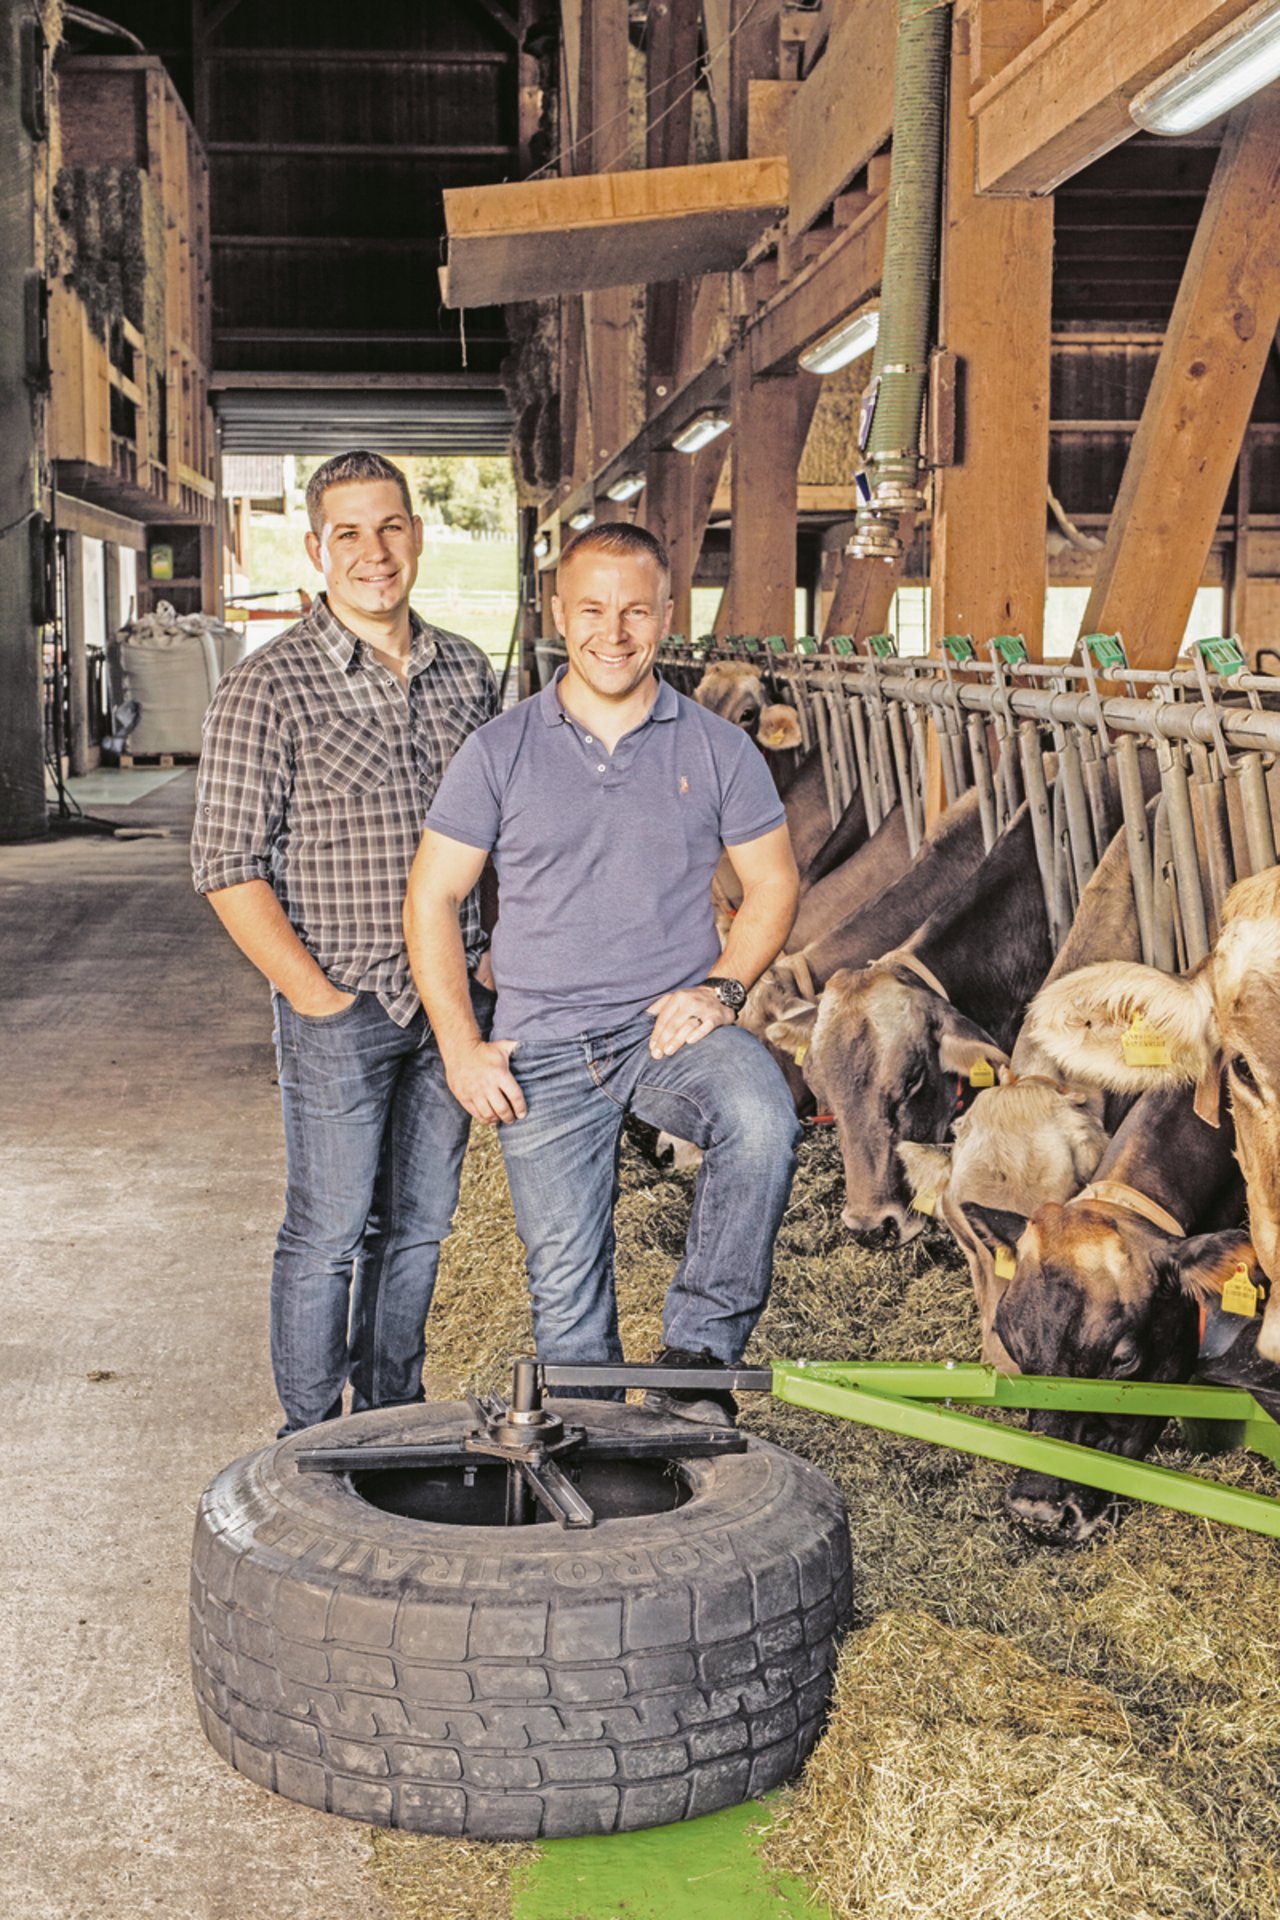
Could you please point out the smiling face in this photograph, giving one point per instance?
(613, 612)
(367, 549)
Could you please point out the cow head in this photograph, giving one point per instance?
(734, 690)
(881, 1052)
(1098, 1293)
(1021, 1144)
(1226, 1011)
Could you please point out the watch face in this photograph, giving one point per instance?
(730, 993)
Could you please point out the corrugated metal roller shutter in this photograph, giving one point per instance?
(327, 420)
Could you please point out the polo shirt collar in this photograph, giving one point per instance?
(345, 648)
(665, 707)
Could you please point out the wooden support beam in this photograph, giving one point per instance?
(1064, 101)
(671, 63)
(770, 425)
(605, 57)
(820, 295)
(988, 567)
(836, 124)
(536, 239)
(864, 591)
(1198, 406)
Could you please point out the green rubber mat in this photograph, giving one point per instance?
(706, 1869)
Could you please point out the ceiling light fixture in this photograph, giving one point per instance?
(541, 547)
(627, 487)
(844, 343)
(580, 521)
(700, 432)
(1213, 78)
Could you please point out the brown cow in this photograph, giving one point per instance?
(1226, 1011)
(882, 1048)
(1108, 1287)
(1020, 1145)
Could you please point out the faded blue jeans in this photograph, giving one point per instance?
(726, 1095)
(374, 1141)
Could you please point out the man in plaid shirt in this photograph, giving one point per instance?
(322, 753)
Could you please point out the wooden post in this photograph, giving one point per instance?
(605, 47)
(989, 573)
(770, 424)
(1238, 574)
(668, 514)
(1206, 381)
(864, 591)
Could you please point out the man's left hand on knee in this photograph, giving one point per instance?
(684, 1017)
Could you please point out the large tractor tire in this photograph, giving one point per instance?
(417, 1664)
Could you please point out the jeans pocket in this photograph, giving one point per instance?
(327, 1019)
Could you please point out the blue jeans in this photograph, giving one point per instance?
(726, 1095)
(374, 1142)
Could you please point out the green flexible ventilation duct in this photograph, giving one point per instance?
(891, 474)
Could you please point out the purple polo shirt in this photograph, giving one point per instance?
(604, 861)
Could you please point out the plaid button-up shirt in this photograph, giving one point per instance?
(316, 775)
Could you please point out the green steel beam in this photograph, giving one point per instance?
(1062, 1459)
(969, 1381)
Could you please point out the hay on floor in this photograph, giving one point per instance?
(1036, 1732)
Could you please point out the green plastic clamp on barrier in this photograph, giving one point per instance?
(807, 645)
(776, 643)
(882, 646)
(1223, 655)
(959, 646)
(706, 641)
(1107, 650)
(1011, 647)
(676, 640)
(749, 643)
(841, 643)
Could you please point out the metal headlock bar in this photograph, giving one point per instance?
(1057, 735)
(917, 1400)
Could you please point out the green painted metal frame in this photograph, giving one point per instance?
(917, 1400)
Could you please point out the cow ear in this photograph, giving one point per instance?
(792, 1031)
(1202, 1265)
(928, 1169)
(778, 728)
(994, 1227)
(1080, 1023)
(962, 1045)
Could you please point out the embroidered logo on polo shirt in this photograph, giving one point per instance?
(684, 784)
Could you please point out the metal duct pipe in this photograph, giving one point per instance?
(890, 441)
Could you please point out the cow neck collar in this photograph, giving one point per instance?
(1114, 1193)
(899, 958)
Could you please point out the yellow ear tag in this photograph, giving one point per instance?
(799, 1055)
(1143, 1046)
(926, 1203)
(982, 1074)
(1006, 1263)
(1239, 1295)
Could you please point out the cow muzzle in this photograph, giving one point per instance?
(894, 1228)
(1055, 1510)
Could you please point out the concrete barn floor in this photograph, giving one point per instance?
(142, 1175)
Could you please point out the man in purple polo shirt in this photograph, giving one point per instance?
(606, 801)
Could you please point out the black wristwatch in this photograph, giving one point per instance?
(730, 993)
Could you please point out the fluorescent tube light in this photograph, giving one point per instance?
(579, 521)
(1239, 61)
(700, 431)
(627, 488)
(843, 343)
(541, 547)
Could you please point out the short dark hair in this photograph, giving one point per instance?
(616, 536)
(358, 464)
